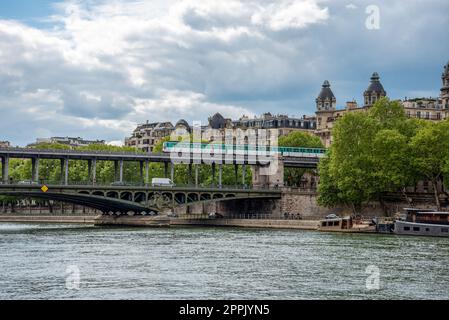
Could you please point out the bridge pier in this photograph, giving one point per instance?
(66, 171)
(94, 171)
(220, 175)
(121, 171)
(196, 175)
(35, 169)
(142, 178)
(147, 172)
(5, 169)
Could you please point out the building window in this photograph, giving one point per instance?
(418, 114)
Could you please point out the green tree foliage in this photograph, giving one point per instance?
(381, 151)
(293, 176)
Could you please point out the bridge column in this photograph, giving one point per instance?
(165, 169)
(172, 171)
(89, 169)
(147, 172)
(115, 170)
(236, 174)
(196, 175)
(35, 169)
(65, 171)
(142, 178)
(213, 174)
(5, 169)
(220, 175)
(190, 174)
(94, 171)
(121, 170)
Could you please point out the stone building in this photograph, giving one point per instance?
(146, 136)
(424, 108)
(69, 141)
(5, 144)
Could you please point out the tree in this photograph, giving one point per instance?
(430, 154)
(368, 156)
(293, 176)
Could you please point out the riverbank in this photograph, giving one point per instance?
(79, 219)
(149, 222)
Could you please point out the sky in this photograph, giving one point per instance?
(97, 68)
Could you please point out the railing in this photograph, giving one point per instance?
(137, 185)
(68, 152)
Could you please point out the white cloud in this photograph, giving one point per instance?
(291, 15)
(102, 66)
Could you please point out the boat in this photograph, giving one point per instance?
(423, 222)
(347, 224)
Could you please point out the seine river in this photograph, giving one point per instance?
(39, 261)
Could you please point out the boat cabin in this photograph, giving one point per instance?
(427, 216)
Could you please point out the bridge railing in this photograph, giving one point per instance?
(192, 186)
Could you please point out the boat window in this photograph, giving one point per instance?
(416, 228)
(445, 230)
(406, 228)
(427, 229)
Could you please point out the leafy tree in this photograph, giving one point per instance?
(293, 176)
(430, 154)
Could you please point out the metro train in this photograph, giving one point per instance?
(211, 148)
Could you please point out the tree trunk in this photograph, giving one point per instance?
(436, 194)
(407, 199)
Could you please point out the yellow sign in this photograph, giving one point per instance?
(44, 189)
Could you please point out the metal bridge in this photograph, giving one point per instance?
(138, 200)
(143, 158)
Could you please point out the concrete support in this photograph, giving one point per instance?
(66, 171)
(236, 174)
(62, 171)
(115, 170)
(213, 173)
(89, 169)
(220, 175)
(5, 169)
(190, 173)
(94, 171)
(147, 172)
(35, 169)
(172, 171)
(121, 171)
(196, 175)
(142, 178)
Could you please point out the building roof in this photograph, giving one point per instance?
(217, 121)
(375, 85)
(326, 92)
(183, 123)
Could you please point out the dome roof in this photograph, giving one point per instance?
(217, 121)
(183, 123)
(446, 69)
(375, 85)
(326, 92)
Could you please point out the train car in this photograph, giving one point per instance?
(250, 150)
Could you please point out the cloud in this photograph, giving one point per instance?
(100, 67)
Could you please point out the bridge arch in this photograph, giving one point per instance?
(126, 195)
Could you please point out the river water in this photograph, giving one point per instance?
(39, 261)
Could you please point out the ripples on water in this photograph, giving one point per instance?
(213, 263)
